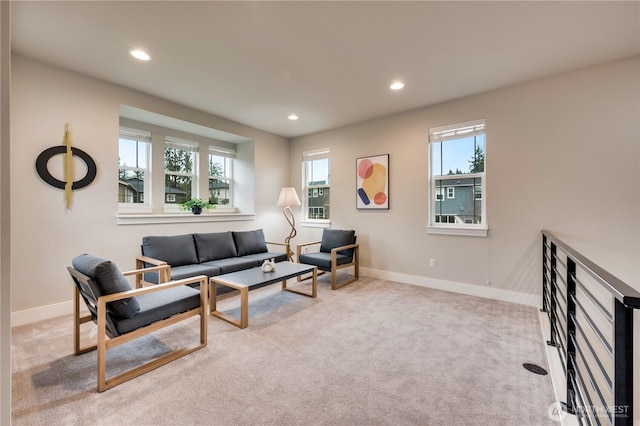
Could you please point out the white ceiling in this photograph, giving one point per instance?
(331, 63)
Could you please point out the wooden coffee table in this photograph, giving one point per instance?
(244, 280)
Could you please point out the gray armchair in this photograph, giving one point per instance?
(123, 314)
(338, 249)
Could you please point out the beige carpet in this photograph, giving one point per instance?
(372, 353)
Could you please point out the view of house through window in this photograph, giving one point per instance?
(134, 165)
(220, 176)
(457, 175)
(316, 184)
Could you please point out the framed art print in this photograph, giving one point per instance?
(372, 182)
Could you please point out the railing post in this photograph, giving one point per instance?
(623, 365)
(553, 315)
(545, 283)
(571, 332)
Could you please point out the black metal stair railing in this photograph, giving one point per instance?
(591, 323)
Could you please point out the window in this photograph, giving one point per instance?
(134, 170)
(164, 161)
(316, 184)
(451, 192)
(221, 176)
(457, 169)
(180, 166)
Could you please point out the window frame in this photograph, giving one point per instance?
(189, 146)
(442, 135)
(137, 136)
(451, 192)
(229, 158)
(315, 191)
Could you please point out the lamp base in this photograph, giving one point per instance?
(292, 221)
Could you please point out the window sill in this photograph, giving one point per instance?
(146, 219)
(316, 224)
(452, 230)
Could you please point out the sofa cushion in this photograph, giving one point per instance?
(232, 264)
(176, 250)
(249, 242)
(108, 279)
(214, 246)
(261, 257)
(159, 305)
(332, 238)
(185, 271)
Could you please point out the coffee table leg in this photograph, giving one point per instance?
(244, 302)
(213, 296)
(244, 307)
(314, 285)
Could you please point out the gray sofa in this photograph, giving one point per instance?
(207, 254)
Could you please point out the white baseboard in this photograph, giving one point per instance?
(457, 287)
(41, 313)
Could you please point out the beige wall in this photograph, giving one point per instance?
(562, 154)
(45, 236)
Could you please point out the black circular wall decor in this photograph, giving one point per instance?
(43, 171)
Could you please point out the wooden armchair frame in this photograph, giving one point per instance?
(99, 314)
(334, 264)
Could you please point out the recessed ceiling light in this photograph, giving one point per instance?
(397, 85)
(140, 54)
(293, 117)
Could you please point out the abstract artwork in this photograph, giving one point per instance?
(42, 164)
(372, 182)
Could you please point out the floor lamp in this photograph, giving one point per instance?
(288, 198)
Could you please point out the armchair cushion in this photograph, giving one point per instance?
(323, 260)
(214, 246)
(176, 250)
(250, 242)
(109, 280)
(159, 305)
(332, 238)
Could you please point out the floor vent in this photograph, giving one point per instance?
(535, 369)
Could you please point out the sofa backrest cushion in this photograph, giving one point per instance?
(108, 279)
(214, 246)
(249, 242)
(332, 238)
(176, 250)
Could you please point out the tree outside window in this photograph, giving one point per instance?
(179, 172)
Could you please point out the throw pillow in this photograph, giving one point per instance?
(106, 275)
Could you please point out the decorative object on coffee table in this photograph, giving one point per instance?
(268, 266)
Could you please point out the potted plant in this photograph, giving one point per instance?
(196, 205)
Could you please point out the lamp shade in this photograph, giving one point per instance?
(288, 197)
